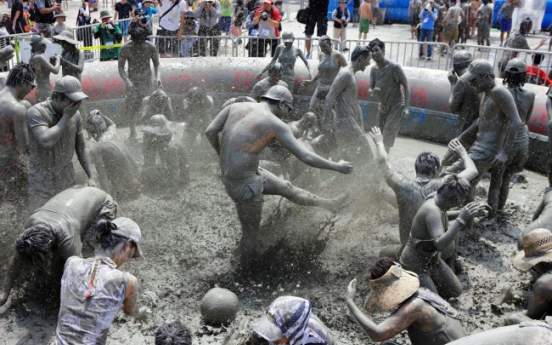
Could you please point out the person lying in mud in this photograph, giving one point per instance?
(118, 171)
(239, 134)
(290, 320)
(411, 194)
(94, 289)
(275, 71)
(53, 232)
(165, 160)
(426, 317)
(535, 258)
(173, 333)
(431, 237)
(157, 103)
(528, 333)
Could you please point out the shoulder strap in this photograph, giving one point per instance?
(170, 9)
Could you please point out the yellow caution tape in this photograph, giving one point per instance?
(102, 47)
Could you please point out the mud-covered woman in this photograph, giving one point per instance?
(43, 67)
(53, 232)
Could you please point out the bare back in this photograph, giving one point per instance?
(493, 121)
(420, 225)
(12, 121)
(138, 56)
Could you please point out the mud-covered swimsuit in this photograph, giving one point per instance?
(248, 189)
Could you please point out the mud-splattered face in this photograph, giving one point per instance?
(377, 54)
(364, 61)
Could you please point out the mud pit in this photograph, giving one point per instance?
(190, 240)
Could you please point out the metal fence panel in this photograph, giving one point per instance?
(245, 50)
(194, 46)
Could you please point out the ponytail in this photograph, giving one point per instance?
(104, 234)
(33, 245)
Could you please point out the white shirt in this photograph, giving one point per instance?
(171, 21)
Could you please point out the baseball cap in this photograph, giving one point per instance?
(70, 87)
(127, 228)
(516, 65)
(287, 37)
(279, 93)
(476, 68)
(462, 56)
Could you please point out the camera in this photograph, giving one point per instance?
(264, 15)
(208, 4)
(143, 19)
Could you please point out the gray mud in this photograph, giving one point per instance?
(190, 240)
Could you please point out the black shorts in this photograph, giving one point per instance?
(320, 21)
(165, 45)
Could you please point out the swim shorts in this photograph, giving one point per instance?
(364, 26)
(506, 24)
(320, 21)
(482, 158)
(225, 23)
(451, 32)
(249, 189)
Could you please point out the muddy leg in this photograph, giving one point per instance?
(276, 186)
(7, 284)
(495, 188)
(446, 282)
(505, 188)
(391, 128)
(427, 282)
(249, 213)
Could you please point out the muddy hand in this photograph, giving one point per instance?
(470, 210)
(129, 87)
(499, 160)
(344, 167)
(91, 182)
(351, 289)
(376, 135)
(456, 146)
(72, 109)
(306, 82)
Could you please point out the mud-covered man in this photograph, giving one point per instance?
(157, 103)
(427, 317)
(496, 127)
(275, 72)
(53, 232)
(118, 171)
(239, 134)
(165, 160)
(56, 134)
(347, 126)
(411, 194)
(14, 142)
(138, 52)
(386, 80)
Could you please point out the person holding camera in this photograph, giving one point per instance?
(109, 34)
(148, 9)
(140, 19)
(208, 14)
(171, 23)
(45, 16)
(428, 17)
(268, 18)
(340, 17)
(122, 11)
(191, 29)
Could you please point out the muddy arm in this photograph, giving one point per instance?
(170, 111)
(216, 127)
(79, 67)
(305, 61)
(20, 127)
(472, 130)
(82, 155)
(273, 61)
(105, 183)
(52, 68)
(506, 103)
(539, 210)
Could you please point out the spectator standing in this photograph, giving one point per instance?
(452, 19)
(375, 11)
(366, 17)
(85, 34)
(239, 13)
(268, 17)
(507, 11)
(187, 43)
(414, 9)
(535, 75)
(45, 16)
(148, 9)
(109, 34)
(19, 22)
(225, 21)
(171, 23)
(318, 18)
(72, 59)
(122, 12)
(355, 18)
(475, 4)
(60, 26)
(463, 27)
(43, 67)
(340, 17)
(484, 17)
(208, 14)
(428, 17)
(252, 45)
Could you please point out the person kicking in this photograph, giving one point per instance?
(245, 130)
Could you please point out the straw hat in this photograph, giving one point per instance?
(66, 36)
(391, 289)
(537, 248)
(105, 14)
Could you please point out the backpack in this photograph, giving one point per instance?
(44, 18)
(303, 15)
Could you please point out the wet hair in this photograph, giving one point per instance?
(158, 99)
(380, 267)
(454, 187)
(485, 2)
(426, 162)
(95, 123)
(276, 67)
(106, 239)
(173, 333)
(33, 246)
(514, 78)
(360, 50)
(36, 42)
(376, 43)
(138, 33)
(525, 26)
(537, 58)
(326, 38)
(22, 72)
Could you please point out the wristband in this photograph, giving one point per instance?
(461, 221)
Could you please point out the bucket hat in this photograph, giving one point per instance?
(391, 289)
(537, 248)
(158, 125)
(105, 14)
(66, 36)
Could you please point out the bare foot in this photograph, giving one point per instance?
(504, 296)
(335, 205)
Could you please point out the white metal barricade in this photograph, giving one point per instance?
(247, 48)
(195, 46)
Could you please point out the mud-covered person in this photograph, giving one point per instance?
(138, 53)
(497, 126)
(411, 194)
(14, 142)
(463, 101)
(427, 317)
(549, 113)
(118, 171)
(290, 320)
(166, 166)
(239, 134)
(199, 112)
(94, 289)
(514, 79)
(56, 134)
(43, 67)
(389, 84)
(345, 125)
(72, 59)
(432, 238)
(157, 103)
(535, 258)
(53, 232)
(173, 333)
(275, 72)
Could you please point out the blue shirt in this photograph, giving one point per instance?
(428, 20)
(149, 11)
